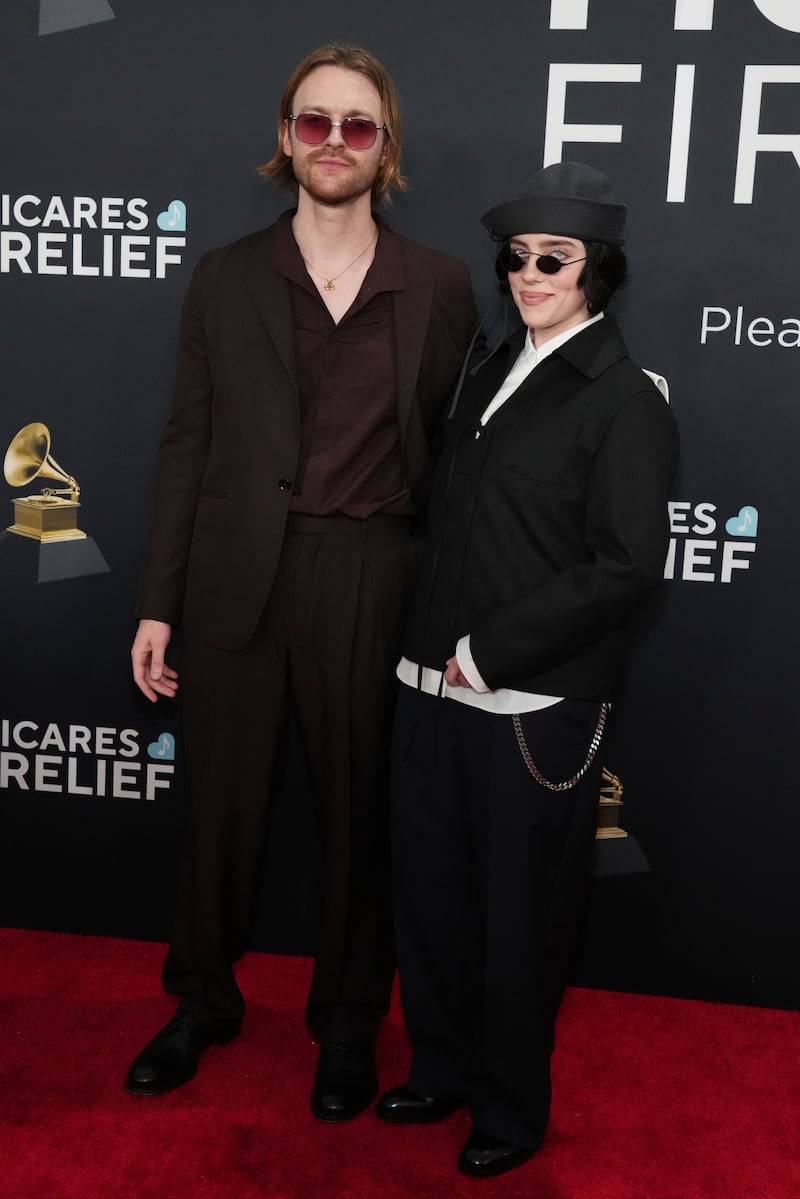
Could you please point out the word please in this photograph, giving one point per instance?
(760, 331)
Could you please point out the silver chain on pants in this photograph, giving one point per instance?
(593, 748)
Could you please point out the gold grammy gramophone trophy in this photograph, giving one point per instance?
(608, 811)
(47, 543)
(616, 851)
(46, 516)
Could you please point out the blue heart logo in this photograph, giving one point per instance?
(745, 524)
(173, 219)
(164, 748)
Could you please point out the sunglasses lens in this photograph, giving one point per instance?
(509, 260)
(312, 128)
(358, 133)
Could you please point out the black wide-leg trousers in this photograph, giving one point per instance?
(328, 643)
(490, 872)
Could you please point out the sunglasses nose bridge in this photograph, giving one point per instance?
(334, 135)
(531, 268)
(543, 265)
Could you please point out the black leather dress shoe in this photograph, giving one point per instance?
(483, 1156)
(345, 1082)
(401, 1105)
(172, 1057)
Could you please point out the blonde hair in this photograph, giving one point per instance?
(350, 58)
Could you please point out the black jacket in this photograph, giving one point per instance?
(548, 526)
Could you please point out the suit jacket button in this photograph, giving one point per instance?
(285, 484)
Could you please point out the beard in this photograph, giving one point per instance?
(335, 189)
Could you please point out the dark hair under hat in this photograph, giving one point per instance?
(569, 198)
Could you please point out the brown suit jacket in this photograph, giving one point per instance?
(231, 445)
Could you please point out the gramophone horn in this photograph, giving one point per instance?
(29, 456)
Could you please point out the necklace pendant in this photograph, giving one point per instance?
(329, 285)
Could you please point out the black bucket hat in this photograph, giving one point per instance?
(567, 198)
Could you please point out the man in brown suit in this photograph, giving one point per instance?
(315, 360)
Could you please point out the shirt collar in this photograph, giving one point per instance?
(531, 355)
(385, 273)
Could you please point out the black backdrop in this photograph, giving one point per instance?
(693, 108)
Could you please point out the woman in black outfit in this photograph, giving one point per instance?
(548, 529)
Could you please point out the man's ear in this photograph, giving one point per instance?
(287, 140)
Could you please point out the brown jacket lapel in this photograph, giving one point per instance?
(271, 295)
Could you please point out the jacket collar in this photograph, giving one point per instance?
(595, 349)
(271, 295)
(411, 284)
(591, 351)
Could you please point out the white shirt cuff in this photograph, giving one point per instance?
(466, 664)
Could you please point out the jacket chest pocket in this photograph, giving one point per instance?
(538, 452)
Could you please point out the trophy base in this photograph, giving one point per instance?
(606, 834)
(37, 561)
(618, 855)
(53, 16)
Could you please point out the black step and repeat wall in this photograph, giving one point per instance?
(131, 133)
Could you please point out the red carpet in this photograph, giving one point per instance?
(654, 1098)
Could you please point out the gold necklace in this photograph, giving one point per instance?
(330, 282)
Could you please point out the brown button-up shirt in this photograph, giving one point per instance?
(350, 456)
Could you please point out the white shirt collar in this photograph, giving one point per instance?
(529, 350)
(528, 358)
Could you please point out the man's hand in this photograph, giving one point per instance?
(150, 672)
(453, 676)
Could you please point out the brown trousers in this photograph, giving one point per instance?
(328, 642)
